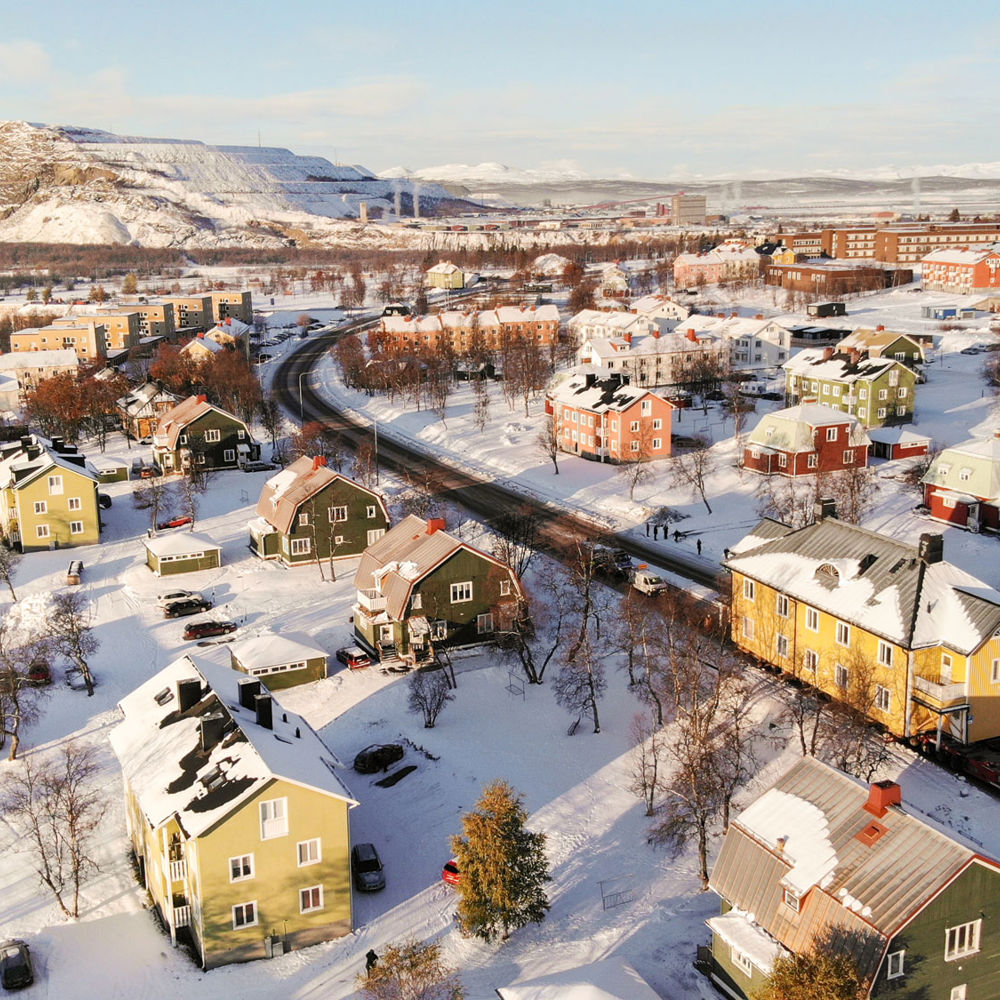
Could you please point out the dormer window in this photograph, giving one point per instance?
(829, 572)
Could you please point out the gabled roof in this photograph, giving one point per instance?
(870, 580)
(139, 402)
(271, 649)
(867, 339)
(803, 834)
(404, 555)
(62, 357)
(180, 543)
(283, 494)
(202, 344)
(17, 470)
(444, 267)
(792, 429)
(173, 422)
(599, 395)
(840, 367)
(971, 467)
(968, 256)
(160, 750)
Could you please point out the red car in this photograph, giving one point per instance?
(174, 522)
(450, 872)
(354, 657)
(202, 630)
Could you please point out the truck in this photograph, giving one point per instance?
(646, 581)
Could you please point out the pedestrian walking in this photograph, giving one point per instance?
(677, 536)
(371, 960)
(656, 531)
(647, 529)
(699, 546)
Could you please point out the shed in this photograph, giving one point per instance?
(280, 661)
(109, 470)
(181, 552)
(898, 442)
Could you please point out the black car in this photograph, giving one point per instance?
(187, 606)
(103, 501)
(378, 757)
(366, 866)
(15, 965)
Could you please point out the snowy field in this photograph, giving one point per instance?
(574, 786)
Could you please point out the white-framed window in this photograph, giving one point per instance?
(42, 530)
(212, 435)
(791, 899)
(337, 514)
(634, 426)
(884, 653)
(375, 534)
(657, 444)
(657, 424)
(881, 412)
(241, 434)
(55, 486)
(810, 660)
(241, 867)
(962, 940)
(742, 961)
(417, 601)
(995, 672)
(946, 667)
(841, 676)
(76, 527)
(371, 511)
(849, 456)
(843, 634)
(647, 407)
(301, 546)
(439, 630)
(244, 915)
(41, 507)
(812, 460)
(273, 818)
(75, 503)
(303, 519)
(831, 433)
(747, 627)
(484, 623)
(900, 411)
(505, 588)
(309, 852)
(883, 698)
(947, 502)
(883, 394)
(228, 455)
(782, 460)
(781, 605)
(749, 589)
(461, 592)
(781, 645)
(812, 619)
(311, 899)
(958, 992)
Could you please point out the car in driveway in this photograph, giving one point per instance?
(354, 657)
(202, 630)
(148, 472)
(378, 757)
(186, 606)
(169, 596)
(103, 501)
(39, 673)
(366, 868)
(15, 964)
(450, 872)
(257, 467)
(173, 522)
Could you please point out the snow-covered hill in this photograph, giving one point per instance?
(75, 185)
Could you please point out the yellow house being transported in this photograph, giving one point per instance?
(235, 813)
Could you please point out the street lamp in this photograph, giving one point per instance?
(375, 426)
(300, 395)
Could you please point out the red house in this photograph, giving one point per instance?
(962, 486)
(956, 269)
(806, 439)
(608, 420)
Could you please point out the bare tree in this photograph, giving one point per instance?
(429, 692)
(272, 419)
(791, 500)
(853, 490)
(634, 465)
(649, 749)
(192, 486)
(365, 464)
(10, 559)
(548, 440)
(481, 410)
(581, 681)
(70, 631)
(155, 495)
(517, 537)
(692, 467)
(60, 805)
(19, 697)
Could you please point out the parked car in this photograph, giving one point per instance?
(39, 673)
(15, 965)
(103, 501)
(366, 867)
(450, 872)
(263, 358)
(609, 562)
(148, 472)
(169, 596)
(187, 606)
(378, 757)
(354, 657)
(174, 522)
(257, 467)
(202, 630)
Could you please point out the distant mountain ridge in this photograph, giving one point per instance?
(64, 184)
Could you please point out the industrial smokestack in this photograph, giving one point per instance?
(416, 200)
(399, 200)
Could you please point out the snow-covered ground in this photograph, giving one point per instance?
(574, 786)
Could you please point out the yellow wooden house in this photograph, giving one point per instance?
(236, 814)
(446, 275)
(885, 625)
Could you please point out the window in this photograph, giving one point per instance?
(484, 623)
(749, 589)
(55, 486)
(461, 592)
(241, 434)
(228, 455)
(371, 511)
(881, 412)
(657, 424)
(301, 546)
(946, 665)
(76, 527)
(747, 627)
(791, 899)
(742, 961)
(416, 602)
(273, 818)
(884, 653)
(303, 519)
(958, 992)
(831, 433)
(241, 867)
(782, 460)
(843, 634)
(883, 394)
(657, 444)
(810, 660)
(961, 940)
(812, 619)
(311, 899)
(849, 456)
(244, 915)
(781, 645)
(634, 427)
(41, 506)
(781, 605)
(812, 460)
(883, 698)
(439, 630)
(647, 407)
(995, 673)
(309, 852)
(842, 676)
(337, 514)
(212, 435)
(42, 530)
(75, 503)
(375, 534)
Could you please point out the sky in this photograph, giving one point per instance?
(648, 89)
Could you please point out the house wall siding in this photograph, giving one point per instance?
(57, 515)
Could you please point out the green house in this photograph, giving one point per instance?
(181, 552)
(418, 587)
(308, 513)
(821, 859)
(280, 661)
(194, 432)
(878, 391)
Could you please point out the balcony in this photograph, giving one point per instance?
(182, 916)
(371, 601)
(178, 871)
(938, 695)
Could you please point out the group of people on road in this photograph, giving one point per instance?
(666, 534)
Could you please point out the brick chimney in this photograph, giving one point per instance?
(203, 399)
(881, 795)
(628, 340)
(930, 548)
(656, 333)
(435, 524)
(759, 316)
(692, 336)
(880, 327)
(827, 353)
(319, 461)
(855, 355)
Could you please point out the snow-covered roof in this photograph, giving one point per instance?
(609, 979)
(735, 327)
(970, 467)
(900, 434)
(202, 344)
(791, 429)
(967, 256)
(444, 267)
(272, 648)
(598, 395)
(180, 542)
(173, 422)
(172, 773)
(813, 362)
(739, 931)
(60, 358)
(17, 470)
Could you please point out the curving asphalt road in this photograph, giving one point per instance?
(559, 529)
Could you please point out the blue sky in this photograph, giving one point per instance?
(646, 89)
